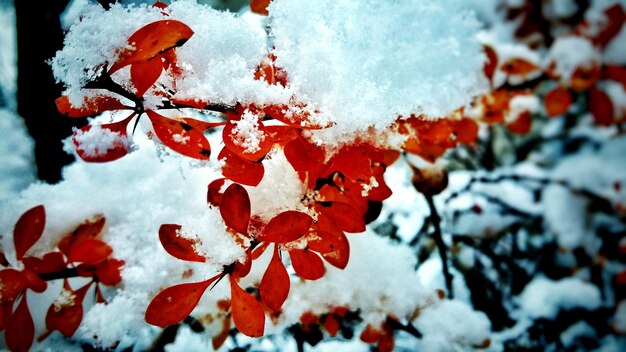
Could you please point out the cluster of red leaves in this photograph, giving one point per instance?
(81, 253)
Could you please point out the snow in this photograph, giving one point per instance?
(544, 298)
(246, 133)
(16, 149)
(572, 52)
(364, 63)
(97, 140)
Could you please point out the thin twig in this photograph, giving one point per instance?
(441, 246)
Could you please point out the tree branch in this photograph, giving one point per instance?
(441, 246)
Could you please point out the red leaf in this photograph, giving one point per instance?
(522, 124)
(34, 282)
(5, 314)
(354, 163)
(601, 107)
(235, 208)
(381, 191)
(303, 155)
(50, 263)
(243, 269)
(557, 101)
(386, 342)
(371, 334)
(344, 216)
(259, 6)
(214, 196)
(492, 62)
(91, 106)
(260, 249)
(108, 272)
(248, 142)
(615, 73)
(20, 330)
(180, 247)
(241, 170)
(90, 229)
(518, 67)
(28, 230)
(145, 73)
(3, 258)
(180, 137)
(151, 40)
(175, 303)
(65, 314)
(466, 130)
(116, 146)
(274, 287)
(281, 134)
(286, 227)
(341, 255)
(307, 264)
(616, 18)
(89, 251)
(13, 283)
(331, 325)
(295, 116)
(202, 126)
(247, 312)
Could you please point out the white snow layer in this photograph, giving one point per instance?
(544, 298)
(16, 155)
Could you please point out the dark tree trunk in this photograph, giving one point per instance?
(39, 36)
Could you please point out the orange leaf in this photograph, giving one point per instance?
(584, 78)
(13, 283)
(466, 130)
(601, 107)
(353, 162)
(307, 264)
(247, 312)
(214, 196)
(89, 251)
(108, 272)
(218, 340)
(275, 284)
(178, 246)
(286, 227)
(241, 170)
(175, 303)
(20, 330)
(28, 230)
(145, 73)
(371, 334)
(151, 40)
(259, 6)
(91, 106)
(235, 208)
(518, 67)
(243, 269)
(180, 137)
(557, 101)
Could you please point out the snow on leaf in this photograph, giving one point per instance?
(175, 303)
(180, 137)
(89, 251)
(28, 230)
(66, 313)
(12, 283)
(286, 227)
(183, 248)
(151, 40)
(213, 195)
(275, 283)
(20, 329)
(307, 264)
(91, 106)
(246, 137)
(240, 170)
(103, 143)
(247, 312)
(235, 208)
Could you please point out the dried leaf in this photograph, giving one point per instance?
(247, 312)
(275, 284)
(180, 137)
(307, 264)
(151, 40)
(235, 208)
(286, 227)
(178, 246)
(175, 303)
(20, 329)
(28, 230)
